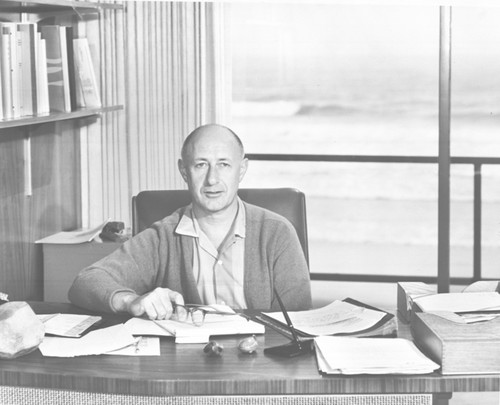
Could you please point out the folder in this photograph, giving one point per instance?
(384, 325)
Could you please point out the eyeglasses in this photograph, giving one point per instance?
(183, 312)
(196, 312)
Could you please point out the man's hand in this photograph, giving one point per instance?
(156, 304)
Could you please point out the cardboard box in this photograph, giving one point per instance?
(62, 262)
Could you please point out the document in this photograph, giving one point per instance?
(349, 355)
(74, 237)
(143, 346)
(187, 332)
(460, 302)
(95, 342)
(339, 317)
(68, 325)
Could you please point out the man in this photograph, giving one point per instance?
(217, 250)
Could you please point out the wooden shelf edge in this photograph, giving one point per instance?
(54, 117)
(50, 5)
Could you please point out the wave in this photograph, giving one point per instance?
(389, 106)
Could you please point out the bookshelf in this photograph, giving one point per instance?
(42, 153)
(34, 11)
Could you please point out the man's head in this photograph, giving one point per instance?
(213, 164)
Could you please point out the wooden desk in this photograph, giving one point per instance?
(184, 370)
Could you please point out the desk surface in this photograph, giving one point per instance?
(186, 370)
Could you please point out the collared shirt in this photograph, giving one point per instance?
(219, 274)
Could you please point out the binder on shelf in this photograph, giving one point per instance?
(85, 75)
(460, 348)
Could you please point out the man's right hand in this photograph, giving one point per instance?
(156, 304)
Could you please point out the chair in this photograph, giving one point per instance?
(152, 205)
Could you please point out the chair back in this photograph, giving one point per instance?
(152, 205)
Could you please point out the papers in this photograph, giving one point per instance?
(460, 302)
(143, 346)
(186, 332)
(465, 318)
(68, 325)
(348, 355)
(95, 342)
(74, 237)
(335, 318)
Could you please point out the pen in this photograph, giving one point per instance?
(288, 320)
(171, 332)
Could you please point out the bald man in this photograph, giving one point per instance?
(217, 250)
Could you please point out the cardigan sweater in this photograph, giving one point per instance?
(158, 257)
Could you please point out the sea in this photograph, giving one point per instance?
(375, 218)
(323, 80)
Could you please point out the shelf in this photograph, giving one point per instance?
(39, 6)
(54, 117)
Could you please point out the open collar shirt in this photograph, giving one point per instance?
(219, 274)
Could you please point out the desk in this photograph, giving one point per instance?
(184, 370)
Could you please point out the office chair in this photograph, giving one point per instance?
(152, 205)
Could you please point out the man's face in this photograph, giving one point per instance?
(213, 169)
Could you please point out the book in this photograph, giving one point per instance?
(84, 69)
(472, 348)
(10, 82)
(347, 355)
(63, 32)
(57, 68)
(229, 323)
(71, 68)
(348, 317)
(26, 59)
(43, 106)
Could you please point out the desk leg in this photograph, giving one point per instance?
(441, 399)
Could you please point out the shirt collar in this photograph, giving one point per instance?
(186, 225)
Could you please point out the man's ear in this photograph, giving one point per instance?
(182, 169)
(243, 168)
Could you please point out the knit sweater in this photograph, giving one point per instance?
(158, 257)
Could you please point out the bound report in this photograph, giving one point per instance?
(460, 348)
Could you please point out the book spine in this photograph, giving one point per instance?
(6, 73)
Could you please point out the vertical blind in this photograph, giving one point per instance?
(164, 62)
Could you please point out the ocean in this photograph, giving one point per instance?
(330, 79)
(370, 217)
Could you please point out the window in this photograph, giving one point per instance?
(360, 80)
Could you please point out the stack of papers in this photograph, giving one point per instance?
(96, 342)
(348, 355)
(460, 302)
(68, 325)
(74, 237)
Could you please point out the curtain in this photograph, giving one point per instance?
(164, 61)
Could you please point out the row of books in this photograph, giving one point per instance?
(43, 69)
